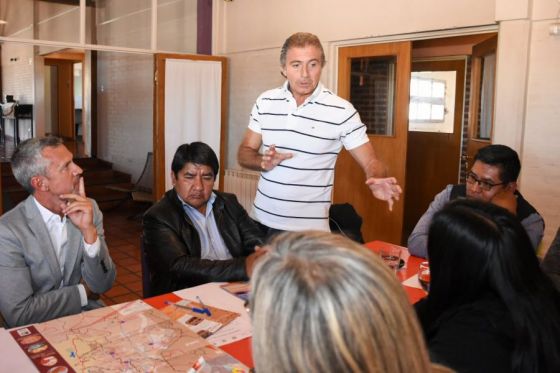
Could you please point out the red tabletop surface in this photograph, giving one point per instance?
(241, 350)
(413, 263)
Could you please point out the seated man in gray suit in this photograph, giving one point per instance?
(492, 178)
(53, 256)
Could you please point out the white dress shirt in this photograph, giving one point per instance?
(58, 233)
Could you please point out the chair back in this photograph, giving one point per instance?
(344, 219)
(146, 274)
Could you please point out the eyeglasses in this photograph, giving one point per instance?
(484, 185)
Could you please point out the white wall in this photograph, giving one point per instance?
(541, 152)
(527, 81)
(124, 110)
(254, 55)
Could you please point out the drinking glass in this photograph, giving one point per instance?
(424, 276)
(391, 255)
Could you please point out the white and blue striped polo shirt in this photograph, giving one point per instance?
(297, 194)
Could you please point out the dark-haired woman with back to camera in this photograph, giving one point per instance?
(490, 307)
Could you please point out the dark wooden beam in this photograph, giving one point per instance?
(70, 2)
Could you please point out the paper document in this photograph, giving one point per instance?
(412, 282)
(213, 295)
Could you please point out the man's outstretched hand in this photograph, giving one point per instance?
(385, 189)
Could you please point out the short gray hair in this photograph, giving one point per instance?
(300, 40)
(28, 161)
(322, 303)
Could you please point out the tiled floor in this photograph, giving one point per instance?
(123, 239)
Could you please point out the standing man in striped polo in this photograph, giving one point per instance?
(302, 127)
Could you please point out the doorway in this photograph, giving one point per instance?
(437, 90)
(64, 94)
(393, 145)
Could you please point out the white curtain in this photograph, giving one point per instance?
(192, 106)
(487, 96)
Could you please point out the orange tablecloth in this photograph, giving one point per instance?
(241, 350)
(413, 263)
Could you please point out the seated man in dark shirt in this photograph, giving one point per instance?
(492, 178)
(195, 234)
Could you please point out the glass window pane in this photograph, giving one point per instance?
(121, 23)
(372, 92)
(57, 21)
(438, 89)
(437, 112)
(425, 88)
(414, 87)
(19, 19)
(424, 110)
(413, 111)
(433, 112)
(177, 17)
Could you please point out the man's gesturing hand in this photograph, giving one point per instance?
(385, 189)
(79, 210)
(271, 158)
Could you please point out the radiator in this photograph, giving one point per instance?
(243, 184)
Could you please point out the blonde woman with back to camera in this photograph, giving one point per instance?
(322, 303)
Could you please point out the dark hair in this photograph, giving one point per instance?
(504, 157)
(28, 161)
(197, 153)
(476, 248)
(301, 39)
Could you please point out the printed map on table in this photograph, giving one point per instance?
(131, 337)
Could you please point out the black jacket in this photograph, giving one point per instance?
(471, 338)
(172, 244)
(551, 262)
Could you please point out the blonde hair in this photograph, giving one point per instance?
(322, 303)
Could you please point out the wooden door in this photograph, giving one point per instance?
(160, 171)
(65, 98)
(481, 114)
(383, 70)
(434, 142)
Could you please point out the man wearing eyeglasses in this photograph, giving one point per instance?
(492, 178)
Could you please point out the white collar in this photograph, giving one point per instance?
(47, 214)
(311, 98)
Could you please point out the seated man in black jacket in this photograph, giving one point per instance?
(194, 234)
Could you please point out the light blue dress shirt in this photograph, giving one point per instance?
(212, 245)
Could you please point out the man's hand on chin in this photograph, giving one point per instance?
(79, 210)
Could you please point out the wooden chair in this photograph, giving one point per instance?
(140, 191)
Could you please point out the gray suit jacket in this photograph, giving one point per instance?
(30, 276)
